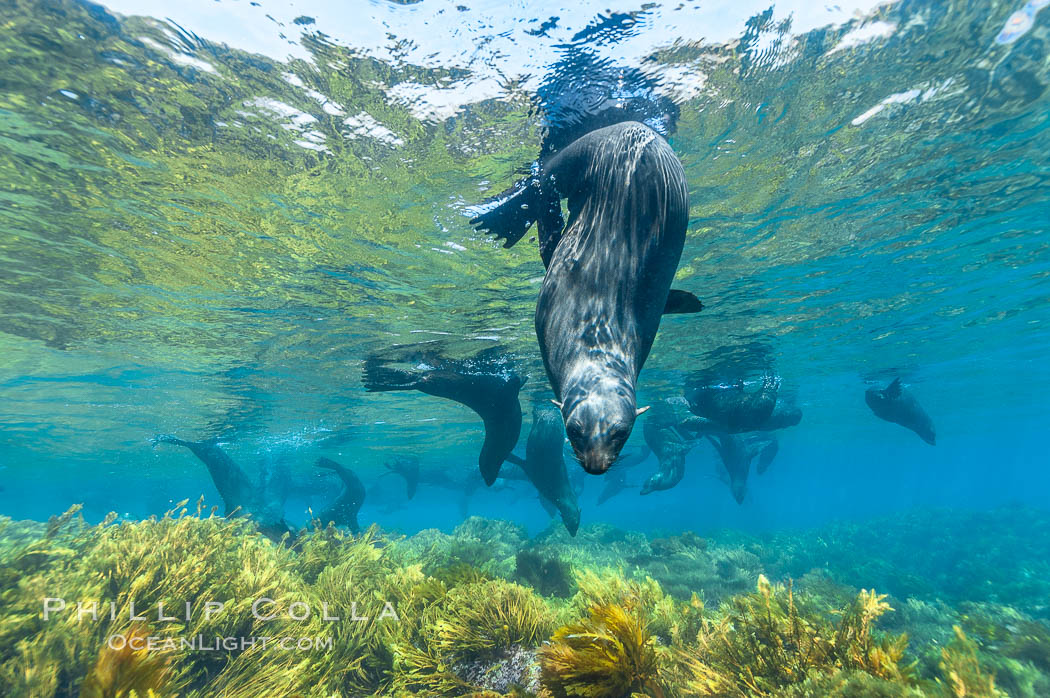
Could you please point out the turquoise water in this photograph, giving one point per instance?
(215, 215)
(212, 213)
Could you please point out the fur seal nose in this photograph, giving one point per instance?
(596, 463)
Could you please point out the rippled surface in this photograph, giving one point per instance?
(207, 221)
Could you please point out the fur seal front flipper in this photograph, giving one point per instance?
(492, 394)
(895, 404)
(682, 302)
(233, 484)
(343, 510)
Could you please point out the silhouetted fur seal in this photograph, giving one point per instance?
(671, 431)
(736, 457)
(545, 466)
(343, 510)
(408, 468)
(733, 408)
(616, 479)
(785, 414)
(488, 389)
(237, 491)
(766, 449)
(894, 404)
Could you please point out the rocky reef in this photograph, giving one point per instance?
(191, 604)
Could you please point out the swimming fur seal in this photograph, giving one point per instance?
(545, 466)
(488, 389)
(766, 448)
(238, 492)
(895, 404)
(408, 468)
(608, 278)
(735, 409)
(615, 481)
(785, 414)
(736, 458)
(671, 431)
(343, 510)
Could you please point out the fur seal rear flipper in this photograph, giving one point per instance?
(234, 486)
(343, 510)
(895, 404)
(492, 394)
(608, 278)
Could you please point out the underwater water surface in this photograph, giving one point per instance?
(213, 214)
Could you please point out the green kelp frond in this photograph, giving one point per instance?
(763, 642)
(609, 654)
(126, 672)
(671, 621)
(962, 671)
(485, 618)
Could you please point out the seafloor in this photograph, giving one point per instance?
(930, 604)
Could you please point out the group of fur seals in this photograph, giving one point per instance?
(895, 404)
(721, 413)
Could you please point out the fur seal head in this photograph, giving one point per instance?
(599, 414)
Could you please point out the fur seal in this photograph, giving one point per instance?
(895, 404)
(262, 501)
(489, 389)
(766, 449)
(408, 468)
(608, 278)
(343, 510)
(671, 432)
(616, 478)
(785, 414)
(733, 408)
(545, 466)
(736, 458)
(609, 271)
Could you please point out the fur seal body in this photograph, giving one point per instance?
(671, 432)
(545, 466)
(736, 458)
(608, 278)
(489, 390)
(733, 408)
(895, 404)
(238, 492)
(343, 511)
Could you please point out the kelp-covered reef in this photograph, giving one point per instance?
(191, 604)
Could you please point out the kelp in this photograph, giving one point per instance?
(387, 620)
(766, 641)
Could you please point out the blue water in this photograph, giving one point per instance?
(212, 213)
